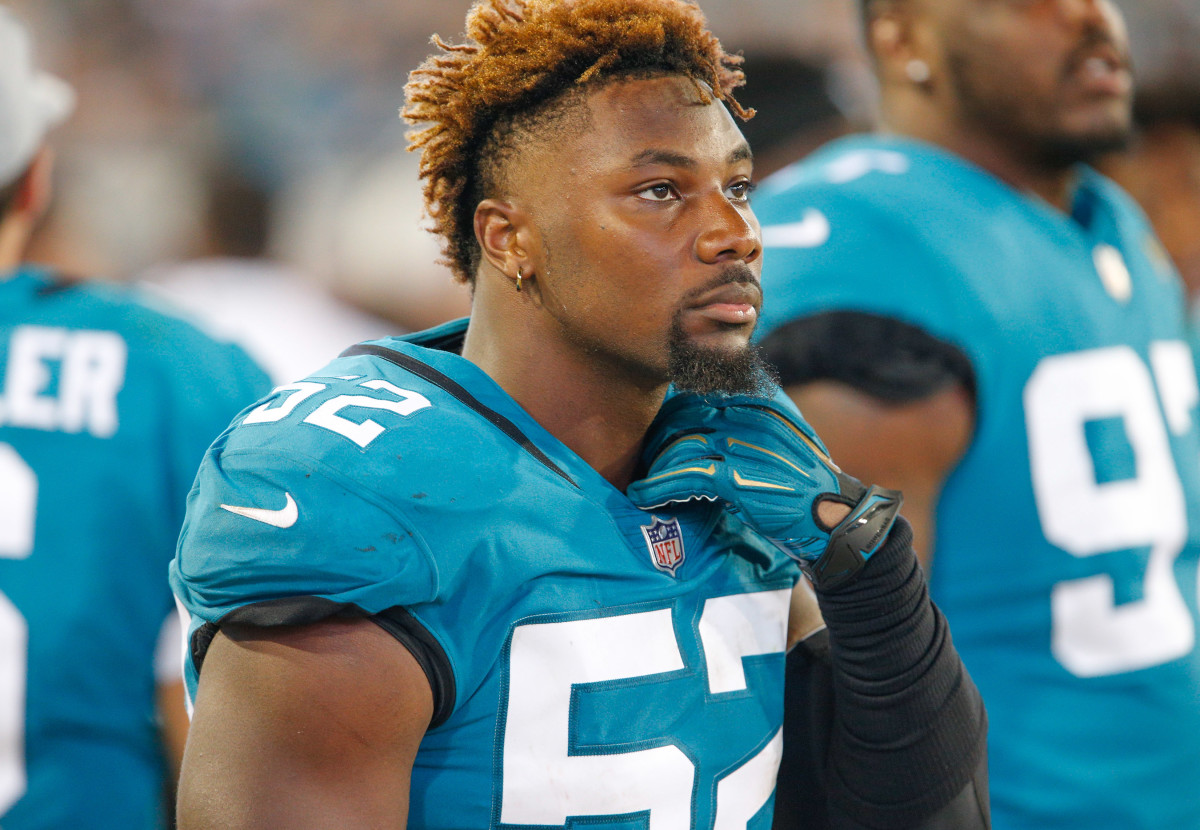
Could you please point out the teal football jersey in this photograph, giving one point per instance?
(106, 408)
(591, 662)
(1067, 538)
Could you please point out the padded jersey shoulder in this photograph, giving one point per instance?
(338, 486)
(870, 224)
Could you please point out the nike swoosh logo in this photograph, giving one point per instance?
(812, 231)
(283, 517)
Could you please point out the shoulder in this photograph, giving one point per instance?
(860, 177)
(386, 407)
(340, 485)
(152, 331)
(864, 224)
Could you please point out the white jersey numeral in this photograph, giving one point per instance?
(270, 412)
(328, 414)
(14, 645)
(1093, 635)
(18, 511)
(18, 505)
(545, 785)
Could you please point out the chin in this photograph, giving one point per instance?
(1086, 145)
(699, 365)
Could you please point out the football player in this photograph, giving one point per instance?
(482, 576)
(965, 310)
(106, 408)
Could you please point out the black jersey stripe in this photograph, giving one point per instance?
(308, 610)
(426, 372)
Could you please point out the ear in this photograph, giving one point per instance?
(897, 38)
(506, 238)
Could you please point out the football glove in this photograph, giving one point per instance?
(760, 459)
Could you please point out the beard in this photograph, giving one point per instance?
(692, 368)
(1002, 111)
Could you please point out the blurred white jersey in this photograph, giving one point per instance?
(289, 325)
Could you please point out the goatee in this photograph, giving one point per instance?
(693, 368)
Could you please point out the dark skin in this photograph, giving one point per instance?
(1007, 78)
(649, 201)
(1162, 171)
(1010, 82)
(635, 209)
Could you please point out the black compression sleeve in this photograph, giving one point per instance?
(908, 734)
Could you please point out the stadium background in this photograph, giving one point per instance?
(269, 127)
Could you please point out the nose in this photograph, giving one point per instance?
(1094, 13)
(729, 233)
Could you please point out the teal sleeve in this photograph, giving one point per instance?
(267, 527)
(872, 263)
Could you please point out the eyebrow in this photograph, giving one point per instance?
(669, 157)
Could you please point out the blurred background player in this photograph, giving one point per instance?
(969, 313)
(1161, 166)
(106, 408)
(327, 559)
(289, 324)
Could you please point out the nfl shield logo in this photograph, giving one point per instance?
(665, 541)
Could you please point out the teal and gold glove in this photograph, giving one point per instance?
(759, 458)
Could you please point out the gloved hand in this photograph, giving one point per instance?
(759, 458)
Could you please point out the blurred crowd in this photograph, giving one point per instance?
(269, 128)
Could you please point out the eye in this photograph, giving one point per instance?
(740, 191)
(661, 192)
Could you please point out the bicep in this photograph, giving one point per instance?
(310, 726)
(894, 404)
(911, 446)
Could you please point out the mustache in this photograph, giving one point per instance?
(731, 274)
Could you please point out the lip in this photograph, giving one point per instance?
(734, 303)
(1100, 69)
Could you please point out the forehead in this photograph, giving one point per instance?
(627, 118)
(1031, 10)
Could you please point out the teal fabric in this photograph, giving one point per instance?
(106, 409)
(589, 681)
(1067, 538)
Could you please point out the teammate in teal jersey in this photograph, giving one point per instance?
(484, 577)
(106, 408)
(966, 311)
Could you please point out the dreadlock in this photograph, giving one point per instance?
(522, 59)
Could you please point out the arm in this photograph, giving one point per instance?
(883, 727)
(894, 404)
(312, 726)
(911, 446)
(903, 734)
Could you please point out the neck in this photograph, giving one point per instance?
(14, 234)
(917, 117)
(591, 407)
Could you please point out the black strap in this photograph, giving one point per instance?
(427, 372)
